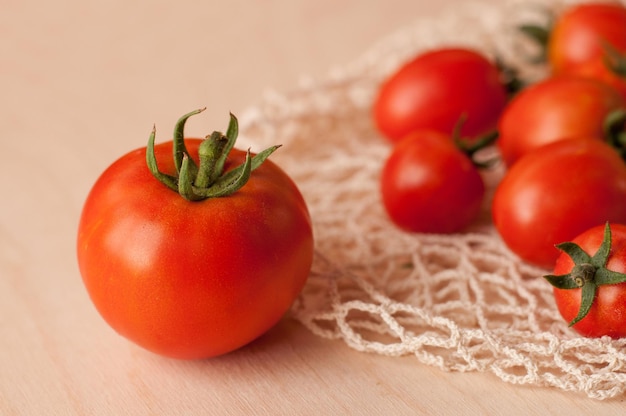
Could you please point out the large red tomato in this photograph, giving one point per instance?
(590, 281)
(193, 279)
(554, 109)
(435, 89)
(556, 192)
(429, 185)
(579, 39)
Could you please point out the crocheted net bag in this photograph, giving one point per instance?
(459, 302)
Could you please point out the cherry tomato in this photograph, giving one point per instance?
(579, 38)
(193, 279)
(435, 89)
(554, 109)
(556, 192)
(590, 282)
(429, 185)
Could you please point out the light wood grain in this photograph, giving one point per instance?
(82, 82)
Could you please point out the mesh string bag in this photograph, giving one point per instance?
(458, 302)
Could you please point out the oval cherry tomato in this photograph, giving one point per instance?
(579, 37)
(554, 109)
(591, 299)
(556, 192)
(435, 89)
(429, 185)
(192, 279)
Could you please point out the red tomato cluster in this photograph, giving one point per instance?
(429, 184)
(560, 139)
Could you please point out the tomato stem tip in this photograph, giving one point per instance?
(471, 147)
(614, 130)
(205, 179)
(614, 60)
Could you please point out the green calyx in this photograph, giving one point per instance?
(588, 273)
(539, 34)
(614, 60)
(615, 130)
(510, 78)
(471, 147)
(206, 179)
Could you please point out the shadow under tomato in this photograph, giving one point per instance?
(285, 333)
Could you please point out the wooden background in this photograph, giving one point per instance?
(81, 83)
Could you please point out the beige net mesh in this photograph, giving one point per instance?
(458, 302)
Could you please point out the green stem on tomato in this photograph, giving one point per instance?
(614, 60)
(196, 182)
(179, 149)
(588, 273)
(471, 147)
(539, 34)
(510, 78)
(168, 180)
(209, 151)
(615, 130)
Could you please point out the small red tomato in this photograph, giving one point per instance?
(435, 89)
(200, 275)
(556, 192)
(590, 282)
(580, 37)
(429, 185)
(554, 109)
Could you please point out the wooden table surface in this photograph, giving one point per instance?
(82, 82)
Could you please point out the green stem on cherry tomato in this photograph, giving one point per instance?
(588, 273)
(207, 179)
(539, 34)
(482, 142)
(614, 59)
(615, 130)
(471, 147)
(510, 77)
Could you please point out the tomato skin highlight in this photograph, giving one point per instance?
(435, 89)
(607, 315)
(192, 279)
(428, 185)
(576, 42)
(556, 192)
(554, 109)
